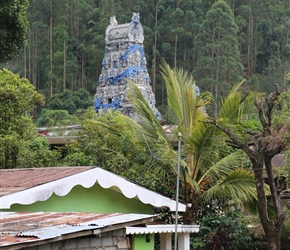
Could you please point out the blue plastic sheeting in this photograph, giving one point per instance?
(132, 48)
(128, 73)
(135, 20)
(158, 116)
(197, 90)
(98, 104)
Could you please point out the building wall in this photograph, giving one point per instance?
(80, 199)
(143, 242)
(115, 240)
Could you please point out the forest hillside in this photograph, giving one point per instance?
(218, 42)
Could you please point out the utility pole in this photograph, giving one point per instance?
(177, 189)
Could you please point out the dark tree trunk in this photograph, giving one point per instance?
(272, 227)
(50, 47)
(267, 144)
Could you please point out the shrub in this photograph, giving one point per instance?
(228, 231)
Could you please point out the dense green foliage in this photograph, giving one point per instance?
(37, 153)
(218, 42)
(19, 145)
(65, 108)
(218, 63)
(13, 27)
(286, 227)
(268, 140)
(70, 101)
(223, 230)
(51, 118)
(210, 170)
(117, 152)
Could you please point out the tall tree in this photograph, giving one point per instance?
(261, 146)
(245, 20)
(185, 33)
(155, 47)
(17, 97)
(272, 51)
(217, 41)
(50, 47)
(13, 26)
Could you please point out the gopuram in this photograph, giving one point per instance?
(124, 59)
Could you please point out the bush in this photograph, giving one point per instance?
(50, 118)
(37, 153)
(286, 227)
(70, 101)
(226, 231)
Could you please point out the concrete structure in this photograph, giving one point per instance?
(124, 59)
(165, 232)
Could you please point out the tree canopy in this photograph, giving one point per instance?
(70, 101)
(107, 140)
(13, 28)
(218, 66)
(19, 145)
(219, 42)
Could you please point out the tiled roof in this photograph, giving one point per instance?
(20, 228)
(15, 180)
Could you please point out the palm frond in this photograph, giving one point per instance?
(210, 173)
(238, 186)
(221, 168)
(148, 130)
(194, 185)
(182, 98)
(201, 139)
(234, 106)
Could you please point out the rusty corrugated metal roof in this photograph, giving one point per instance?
(15, 180)
(18, 228)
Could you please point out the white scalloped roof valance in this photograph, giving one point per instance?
(170, 228)
(87, 179)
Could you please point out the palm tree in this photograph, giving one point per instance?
(209, 173)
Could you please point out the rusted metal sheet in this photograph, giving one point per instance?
(17, 228)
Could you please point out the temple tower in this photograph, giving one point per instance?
(124, 59)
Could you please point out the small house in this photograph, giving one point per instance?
(81, 190)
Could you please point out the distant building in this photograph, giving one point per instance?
(124, 59)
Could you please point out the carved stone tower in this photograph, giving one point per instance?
(124, 59)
